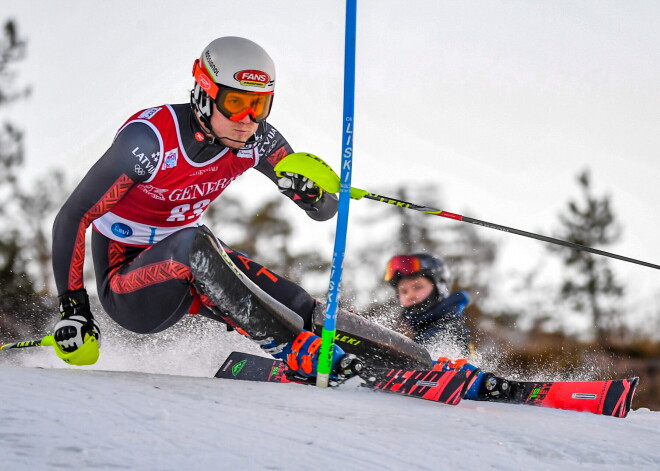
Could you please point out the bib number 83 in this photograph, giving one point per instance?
(186, 212)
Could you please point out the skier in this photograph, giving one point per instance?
(428, 308)
(144, 198)
(154, 261)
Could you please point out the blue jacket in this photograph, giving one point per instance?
(443, 317)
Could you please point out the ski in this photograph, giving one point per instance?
(249, 367)
(446, 387)
(610, 397)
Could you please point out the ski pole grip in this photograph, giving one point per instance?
(312, 167)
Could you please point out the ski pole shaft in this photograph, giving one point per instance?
(323, 175)
(458, 217)
(44, 342)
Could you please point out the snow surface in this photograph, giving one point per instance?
(122, 414)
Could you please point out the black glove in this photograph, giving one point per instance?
(77, 322)
(303, 191)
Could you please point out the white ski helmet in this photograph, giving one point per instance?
(232, 63)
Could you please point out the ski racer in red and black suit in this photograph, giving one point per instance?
(145, 196)
(155, 262)
(137, 199)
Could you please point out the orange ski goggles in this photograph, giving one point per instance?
(403, 265)
(237, 104)
(233, 103)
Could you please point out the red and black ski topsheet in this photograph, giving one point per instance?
(613, 397)
(446, 387)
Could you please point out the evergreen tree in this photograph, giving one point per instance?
(22, 311)
(590, 285)
(38, 208)
(265, 235)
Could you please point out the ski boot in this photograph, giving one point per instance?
(301, 356)
(481, 386)
(488, 387)
(494, 388)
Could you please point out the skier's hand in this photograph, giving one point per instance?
(77, 323)
(303, 191)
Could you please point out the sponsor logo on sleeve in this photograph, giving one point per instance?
(268, 142)
(145, 162)
(149, 113)
(138, 170)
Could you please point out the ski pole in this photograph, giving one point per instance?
(324, 176)
(86, 354)
(44, 342)
(330, 319)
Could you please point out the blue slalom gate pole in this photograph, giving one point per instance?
(330, 321)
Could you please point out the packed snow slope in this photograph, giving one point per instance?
(123, 414)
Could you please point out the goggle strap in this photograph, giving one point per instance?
(204, 81)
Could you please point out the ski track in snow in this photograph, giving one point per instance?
(55, 418)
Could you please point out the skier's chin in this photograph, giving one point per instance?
(235, 142)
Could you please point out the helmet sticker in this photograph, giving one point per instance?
(255, 78)
(210, 63)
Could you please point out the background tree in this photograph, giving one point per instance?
(47, 195)
(22, 311)
(590, 285)
(266, 235)
(12, 49)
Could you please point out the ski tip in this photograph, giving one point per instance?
(634, 382)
